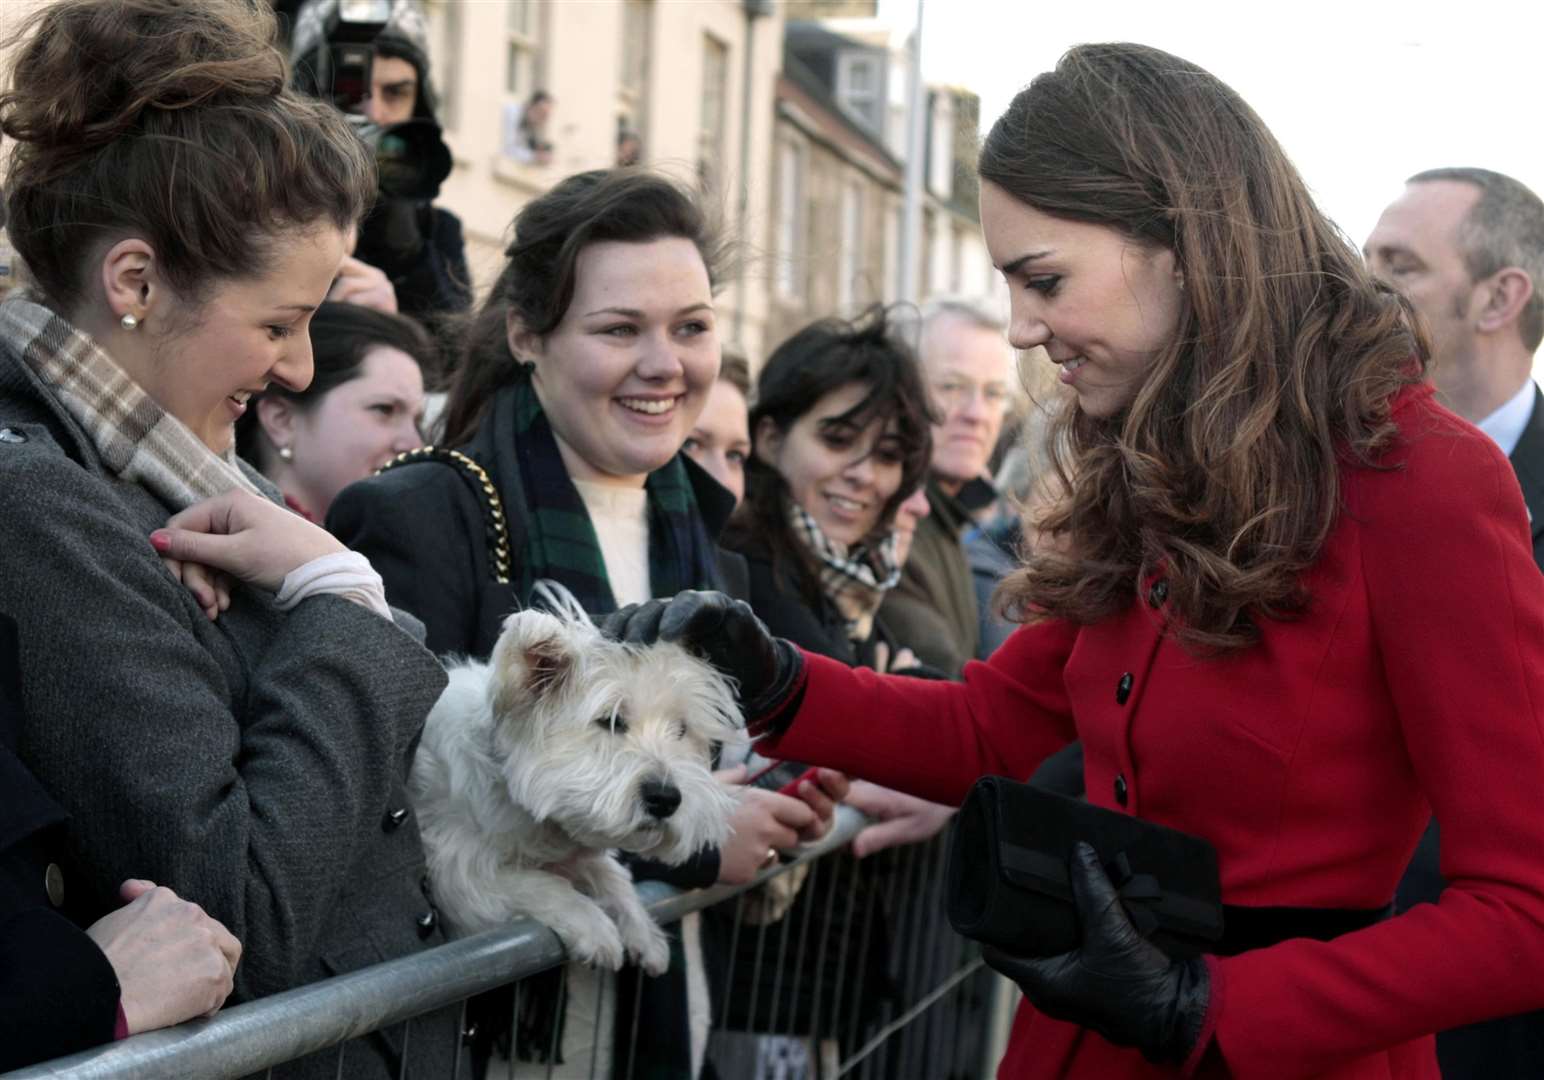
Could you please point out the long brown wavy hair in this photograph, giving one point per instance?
(1225, 469)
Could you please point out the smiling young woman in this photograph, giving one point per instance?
(581, 379)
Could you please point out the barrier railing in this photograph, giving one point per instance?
(934, 985)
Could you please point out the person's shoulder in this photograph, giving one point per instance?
(1438, 441)
(35, 468)
(429, 495)
(1436, 462)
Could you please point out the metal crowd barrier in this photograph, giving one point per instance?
(930, 1014)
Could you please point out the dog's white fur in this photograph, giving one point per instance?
(532, 768)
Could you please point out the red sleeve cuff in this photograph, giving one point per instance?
(1206, 1041)
(121, 1025)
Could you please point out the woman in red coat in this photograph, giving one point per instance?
(1286, 601)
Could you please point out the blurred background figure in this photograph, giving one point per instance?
(968, 366)
(721, 438)
(629, 147)
(372, 62)
(364, 406)
(526, 134)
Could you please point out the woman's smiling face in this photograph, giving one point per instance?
(841, 474)
(1102, 304)
(624, 375)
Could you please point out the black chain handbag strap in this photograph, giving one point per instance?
(483, 489)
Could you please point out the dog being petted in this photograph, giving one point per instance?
(565, 747)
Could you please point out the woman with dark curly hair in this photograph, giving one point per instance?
(1285, 600)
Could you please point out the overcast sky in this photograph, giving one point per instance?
(1362, 93)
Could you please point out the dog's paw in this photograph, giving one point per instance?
(648, 946)
(590, 936)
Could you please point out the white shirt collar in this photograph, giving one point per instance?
(1505, 426)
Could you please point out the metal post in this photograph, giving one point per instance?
(753, 10)
(916, 155)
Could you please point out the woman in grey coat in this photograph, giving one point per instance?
(216, 691)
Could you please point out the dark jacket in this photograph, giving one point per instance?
(58, 993)
(932, 611)
(248, 763)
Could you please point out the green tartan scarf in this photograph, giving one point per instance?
(560, 541)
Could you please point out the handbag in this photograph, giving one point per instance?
(1008, 883)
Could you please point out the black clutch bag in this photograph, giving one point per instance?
(1008, 883)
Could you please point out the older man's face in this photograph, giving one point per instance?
(1415, 248)
(968, 369)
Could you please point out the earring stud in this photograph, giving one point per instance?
(128, 322)
(286, 454)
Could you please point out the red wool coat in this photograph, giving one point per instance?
(1414, 684)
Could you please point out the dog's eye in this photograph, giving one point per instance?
(615, 725)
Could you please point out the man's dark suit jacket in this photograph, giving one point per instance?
(1512, 1046)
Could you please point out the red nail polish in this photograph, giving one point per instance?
(160, 540)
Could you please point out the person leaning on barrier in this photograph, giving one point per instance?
(216, 691)
(580, 381)
(1286, 601)
(158, 960)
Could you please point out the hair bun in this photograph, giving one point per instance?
(86, 71)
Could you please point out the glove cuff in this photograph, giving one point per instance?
(771, 712)
(1180, 1037)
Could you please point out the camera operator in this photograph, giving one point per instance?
(374, 65)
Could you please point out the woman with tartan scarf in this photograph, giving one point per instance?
(580, 380)
(214, 689)
(841, 435)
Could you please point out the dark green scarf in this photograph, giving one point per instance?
(560, 541)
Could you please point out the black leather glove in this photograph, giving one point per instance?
(726, 633)
(1117, 982)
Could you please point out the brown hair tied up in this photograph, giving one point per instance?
(167, 120)
(1224, 471)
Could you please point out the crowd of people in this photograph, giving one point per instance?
(1264, 564)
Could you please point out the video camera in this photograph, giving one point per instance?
(333, 63)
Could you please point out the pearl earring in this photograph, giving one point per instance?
(286, 454)
(128, 322)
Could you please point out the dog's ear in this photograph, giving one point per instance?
(548, 663)
(534, 658)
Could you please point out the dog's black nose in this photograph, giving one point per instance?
(660, 798)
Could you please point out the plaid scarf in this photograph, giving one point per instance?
(137, 439)
(560, 541)
(855, 577)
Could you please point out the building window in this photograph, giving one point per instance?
(892, 254)
(447, 18)
(521, 50)
(790, 221)
(714, 111)
(851, 262)
(635, 48)
(940, 155)
(860, 88)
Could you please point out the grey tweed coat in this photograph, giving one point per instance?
(255, 764)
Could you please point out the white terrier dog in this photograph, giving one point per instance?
(564, 746)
